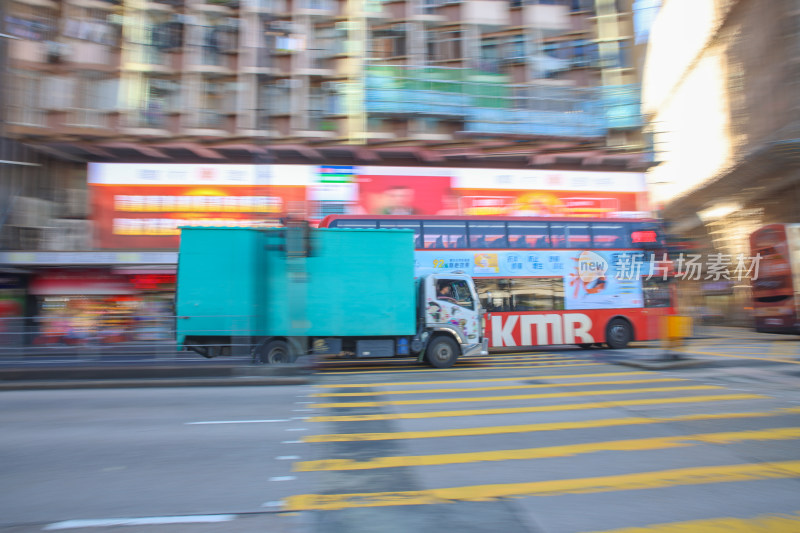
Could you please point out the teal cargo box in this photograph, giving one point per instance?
(242, 282)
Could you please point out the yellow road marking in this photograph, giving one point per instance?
(628, 445)
(455, 369)
(535, 409)
(499, 387)
(486, 380)
(615, 483)
(532, 428)
(766, 523)
(483, 380)
(570, 394)
(718, 354)
(469, 361)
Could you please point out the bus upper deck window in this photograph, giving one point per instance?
(444, 234)
(528, 235)
(487, 235)
(347, 223)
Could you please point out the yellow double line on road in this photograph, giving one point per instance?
(572, 394)
(628, 445)
(591, 485)
(546, 426)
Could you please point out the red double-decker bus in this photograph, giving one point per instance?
(776, 287)
(546, 281)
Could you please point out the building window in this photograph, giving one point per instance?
(212, 104)
(26, 102)
(93, 99)
(445, 46)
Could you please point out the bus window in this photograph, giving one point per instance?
(656, 292)
(347, 223)
(570, 235)
(537, 294)
(528, 235)
(404, 224)
(521, 294)
(610, 235)
(444, 234)
(487, 235)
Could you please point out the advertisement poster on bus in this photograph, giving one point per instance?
(591, 279)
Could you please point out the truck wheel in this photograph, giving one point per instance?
(275, 352)
(618, 334)
(442, 352)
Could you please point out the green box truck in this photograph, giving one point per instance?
(281, 293)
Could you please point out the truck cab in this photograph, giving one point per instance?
(451, 318)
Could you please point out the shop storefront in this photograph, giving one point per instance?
(100, 306)
(12, 309)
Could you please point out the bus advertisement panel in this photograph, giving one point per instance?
(775, 292)
(546, 281)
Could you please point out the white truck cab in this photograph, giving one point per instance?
(452, 319)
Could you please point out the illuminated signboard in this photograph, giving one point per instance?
(142, 206)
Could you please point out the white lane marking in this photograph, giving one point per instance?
(287, 457)
(297, 429)
(292, 442)
(278, 503)
(301, 410)
(235, 422)
(147, 521)
(304, 403)
(300, 417)
(282, 478)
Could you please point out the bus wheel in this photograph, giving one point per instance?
(618, 334)
(274, 352)
(442, 352)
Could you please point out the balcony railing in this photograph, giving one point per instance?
(489, 103)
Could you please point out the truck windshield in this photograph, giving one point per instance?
(462, 295)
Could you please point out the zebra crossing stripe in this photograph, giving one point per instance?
(498, 387)
(538, 408)
(569, 450)
(570, 394)
(614, 483)
(547, 426)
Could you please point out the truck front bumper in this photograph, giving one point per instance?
(475, 349)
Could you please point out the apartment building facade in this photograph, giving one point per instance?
(497, 84)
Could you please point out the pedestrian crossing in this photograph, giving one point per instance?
(562, 444)
(565, 358)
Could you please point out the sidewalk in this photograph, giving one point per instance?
(128, 371)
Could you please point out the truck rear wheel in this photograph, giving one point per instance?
(274, 352)
(442, 352)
